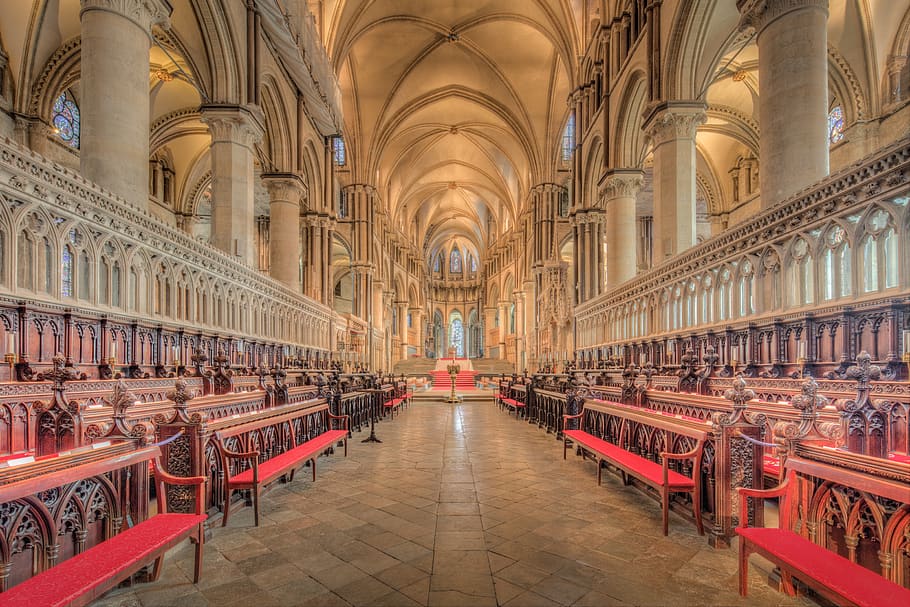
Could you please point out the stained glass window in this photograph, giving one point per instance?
(835, 125)
(473, 263)
(457, 340)
(437, 266)
(455, 261)
(568, 142)
(338, 151)
(67, 272)
(66, 119)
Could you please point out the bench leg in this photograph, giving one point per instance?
(696, 508)
(227, 504)
(314, 468)
(156, 569)
(200, 542)
(256, 504)
(743, 567)
(786, 581)
(600, 465)
(665, 504)
(345, 447)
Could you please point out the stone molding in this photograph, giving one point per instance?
(359, 188)
(589, 216)
(670, 121)
(233, 124)
(758, 14)
(143, 13)
(284, 187)
(881, 174)
(620, 184)
(28, 177)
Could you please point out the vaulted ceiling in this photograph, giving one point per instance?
(453, 110)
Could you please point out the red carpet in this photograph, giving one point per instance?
(463, 381)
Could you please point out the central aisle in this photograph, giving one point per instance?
(461, 505)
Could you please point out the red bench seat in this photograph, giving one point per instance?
(260, 474)
(86, 576)
(643, 468)
(837, 578)
(653, 474)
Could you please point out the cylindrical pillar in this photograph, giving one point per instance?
(619, 192)
(234, 132)
(672, 127)
(114, 87)
(793, 108)
(285, 191)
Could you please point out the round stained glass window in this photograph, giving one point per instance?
(66, 119)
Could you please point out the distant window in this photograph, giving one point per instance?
(66, 120)
(563, 202)
(343, 205)
(66, 264)
(338, 152)
(835, 125)
(568, 142)
(455, 261)
(437, 263)
(473, 263)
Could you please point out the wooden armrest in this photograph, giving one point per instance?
(687, 455)
(745, 493)
(346, 418)
(175, 480)
(764, 493)
(162, 478)
(566, 416)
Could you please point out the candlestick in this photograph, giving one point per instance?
(10, 343)
(113, 352)
(801, 348)
(906, 335)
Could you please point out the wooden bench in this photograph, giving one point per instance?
(653, 474)
(514, 398)
(302, 449)
(88, 574)
(834, 577)
(400, 397)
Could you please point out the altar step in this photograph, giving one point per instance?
(463, 381)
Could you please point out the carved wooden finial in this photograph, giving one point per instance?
(121, 399)
(180, 395)
(809, 401)
(739, 394)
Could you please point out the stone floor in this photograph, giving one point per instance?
(461, 505)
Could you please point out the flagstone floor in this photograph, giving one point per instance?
(461, 505)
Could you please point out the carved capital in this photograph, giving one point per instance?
(670, 121)
(757, 14)
(620, 184)
(284, 187)
(143, 13)
(233, 124)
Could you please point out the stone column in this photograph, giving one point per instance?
(417, 328)
(793, 107)
(644, 238)
(671, 127)
(234, 131)
(503, 327)
(285, 193)
(114, 87)
(619, 190)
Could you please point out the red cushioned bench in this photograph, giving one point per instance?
(84, 577)
(260, 474)
(653, 474)
(834, 577)
(394, 403)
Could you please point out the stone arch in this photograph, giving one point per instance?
(629, 142)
